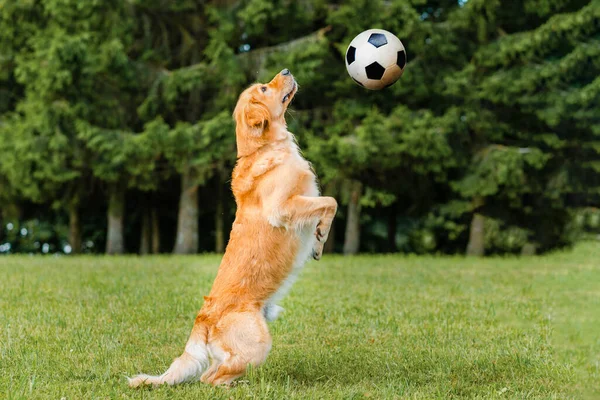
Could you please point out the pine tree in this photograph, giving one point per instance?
(198, 142)
(530, 97)
(69, 71)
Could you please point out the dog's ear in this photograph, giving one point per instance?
(257, 117)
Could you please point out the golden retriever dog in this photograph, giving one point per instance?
(280, 222)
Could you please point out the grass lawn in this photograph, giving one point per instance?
(370, 326)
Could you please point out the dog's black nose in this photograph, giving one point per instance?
(285, 72)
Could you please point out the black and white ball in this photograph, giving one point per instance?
(375, 59)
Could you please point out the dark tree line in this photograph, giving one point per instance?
(116, 132)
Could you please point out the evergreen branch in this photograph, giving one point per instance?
(255, 60)
(525, 46)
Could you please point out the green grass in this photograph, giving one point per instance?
(379, 327)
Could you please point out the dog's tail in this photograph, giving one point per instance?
(189, 366)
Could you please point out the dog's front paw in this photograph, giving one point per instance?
(317, 252)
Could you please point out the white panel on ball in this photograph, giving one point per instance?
(391, 75)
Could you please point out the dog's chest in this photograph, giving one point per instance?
(304, 234)
(306, 238)
(312, 188)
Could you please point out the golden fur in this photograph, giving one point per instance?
(280, 222)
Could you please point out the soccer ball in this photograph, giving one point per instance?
(375, 59)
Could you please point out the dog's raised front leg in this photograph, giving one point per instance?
(301, 210)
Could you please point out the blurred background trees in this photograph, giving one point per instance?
(116, 132)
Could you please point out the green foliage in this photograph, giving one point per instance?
(70, 72)
(33, 236)
(497, 111)
(500, 238)
(201, 145)
(117, 155)
(447, 222)
(501, 170)
(585, 223)
(528, 97)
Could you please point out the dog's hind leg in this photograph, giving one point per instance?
(211, 370)
(244, 340)
(227, 373)
(188, 366)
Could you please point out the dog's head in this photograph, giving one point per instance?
(259, 113)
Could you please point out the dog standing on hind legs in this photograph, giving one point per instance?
(280, 222)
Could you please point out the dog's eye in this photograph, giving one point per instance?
(263, 88)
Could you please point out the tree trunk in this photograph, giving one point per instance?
(186, 241)
(3, 221)
(330, 190)
(146, 235)
(155, 231)
(352, 238)
(187, 220)
(115, 243)
(219, 214)
(476, 246)
(391, 231)
(74, 228)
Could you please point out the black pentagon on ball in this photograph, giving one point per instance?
(374, 70)
(401, 59)
(351, 55)
(377, 39)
